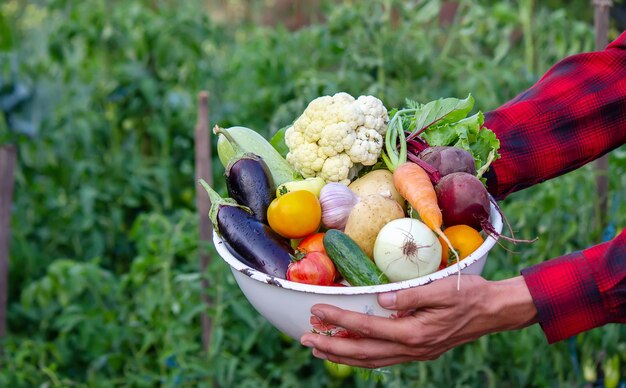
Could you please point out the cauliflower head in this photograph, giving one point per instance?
(337, 135)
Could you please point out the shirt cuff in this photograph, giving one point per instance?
(566, 296)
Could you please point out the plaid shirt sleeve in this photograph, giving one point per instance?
(580, 291)
(574, 114)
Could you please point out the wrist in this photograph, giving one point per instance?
(513, 304)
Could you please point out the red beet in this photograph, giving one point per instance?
(449, 159)
(463, 200)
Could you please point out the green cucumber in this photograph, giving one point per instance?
(351, 262)
(243, 140)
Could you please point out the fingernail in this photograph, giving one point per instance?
(387, 299)
(319, 354)
(308, 344)
(318, 313)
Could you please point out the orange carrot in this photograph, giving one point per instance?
(413, 183)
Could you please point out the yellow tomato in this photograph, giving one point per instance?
(295, 214)
(464, 240)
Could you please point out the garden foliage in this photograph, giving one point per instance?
(100, 98)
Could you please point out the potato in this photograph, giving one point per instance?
(368, 217)
(377, 182)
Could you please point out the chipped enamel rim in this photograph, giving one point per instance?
(480, 253)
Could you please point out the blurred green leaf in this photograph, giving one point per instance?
(6, 35)
(111, 177)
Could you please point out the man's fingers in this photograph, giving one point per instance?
(370, 363)
(364, 352)
(370, 326)
(438, 293)
(358, 349)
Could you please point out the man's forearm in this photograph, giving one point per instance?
(513, 308)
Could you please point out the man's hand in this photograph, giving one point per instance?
(443, 318)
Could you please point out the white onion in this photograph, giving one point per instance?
(406, 249)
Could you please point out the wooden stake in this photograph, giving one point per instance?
(204, 170)
(601, 22)
(7, 180)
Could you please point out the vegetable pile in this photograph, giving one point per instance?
(352, 194)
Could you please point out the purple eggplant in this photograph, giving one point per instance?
(246, 237)
(250, 183)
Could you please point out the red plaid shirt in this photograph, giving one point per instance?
(573, 115)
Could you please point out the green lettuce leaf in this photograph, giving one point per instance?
(442, 111)
(467, 133)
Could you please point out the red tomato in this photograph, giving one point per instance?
(312, 243)
(314, 268)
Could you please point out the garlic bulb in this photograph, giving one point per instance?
(337, 200)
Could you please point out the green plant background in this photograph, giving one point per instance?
(100, 98)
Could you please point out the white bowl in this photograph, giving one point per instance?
(287, 305)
